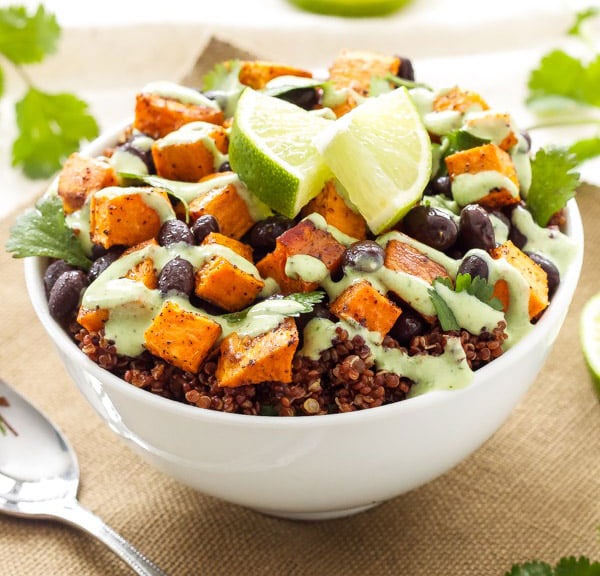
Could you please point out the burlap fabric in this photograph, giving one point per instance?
(533, 491)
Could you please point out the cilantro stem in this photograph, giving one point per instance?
(592, 121)
(19, 70)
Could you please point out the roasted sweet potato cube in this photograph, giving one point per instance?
(480, 159)
(124, 219)
(361, 303)
(157, 116)
(304, 238)
(492, 119)
(459, 100)
(223, 284)
(181, 337)
(238, 247)
(265, 358)
(144, 272)
(80, 177)
(227, 206)
(403, 257)
(92, 320)
(257, 73)
(188, 161)
(334, 209)
(534, 274)
(354, 69)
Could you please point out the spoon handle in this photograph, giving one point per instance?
(75, 514)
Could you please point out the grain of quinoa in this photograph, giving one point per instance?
(343, 379)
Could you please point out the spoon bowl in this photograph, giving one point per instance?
(39, 477)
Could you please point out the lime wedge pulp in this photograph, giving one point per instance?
(271, 150)
(590, 337)
(381, 153)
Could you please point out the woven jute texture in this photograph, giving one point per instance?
(532, 491)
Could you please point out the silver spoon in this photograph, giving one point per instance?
(39, 477)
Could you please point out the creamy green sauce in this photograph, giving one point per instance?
(443, 122)
(306, 268)
(79, 222)
(125, 161)
(271, 287)
(195, 132)
(183, 94)
(489, 126)
(422, 99)
(326, 113)
(449, 371)
(552, 244)
(445, 204)
(501, 230)
(192, 190)
(333, 97)
(469, 188)
(320, 223)
(470, 312)
(150, 197)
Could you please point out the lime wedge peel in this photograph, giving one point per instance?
(590, 337)
(381, 153)
(271, 150)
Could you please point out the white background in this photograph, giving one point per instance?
(109, 49)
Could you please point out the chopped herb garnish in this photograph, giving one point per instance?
(568, 566)
(306, 299)
(553, 183)
(478, 287)
(224, 83)
(444, 314)
(585, 149)
(580, 18)
(42, 231)
(381, 84)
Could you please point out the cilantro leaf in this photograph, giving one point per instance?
(456, 141)
(560, 74)
(581, 17)
(289, 84)
(42, 231)
(224, 76)
(24, 38)
(531, 569)
(480, 288)
(379, 86)
(585, 149)
(1, 82)
(51, 126)
(306, 299)
(553, 183)
(576, 567)
(444, 314)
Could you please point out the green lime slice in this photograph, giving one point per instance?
(590, 337)
(381, 153)
(352, 8)
(272, 152)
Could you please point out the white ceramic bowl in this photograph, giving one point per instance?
(314, 467)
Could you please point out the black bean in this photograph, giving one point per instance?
(225, 167)
(98, 250)
(364, 256)
(102, 263)
(53, 272)
(203, 226)
(173, 231)
(527, 138)
(406, 69)
(408, 325)
(306, 98)
(517, 237)
(177, 275)
(265, 232)
(441, 185)
(65, 294)
(549, 268)
(431, 226)
(474, 266)
(475, 229)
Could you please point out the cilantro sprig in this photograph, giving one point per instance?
(51, 126)
(42, 231)
(553, 183)
(478, 287)
(568, 566)
(307, 300)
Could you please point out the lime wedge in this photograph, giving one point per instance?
(272, 152)
(351, 8)
(590, 337)
(381, 153)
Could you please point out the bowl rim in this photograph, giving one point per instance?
(33, 267)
